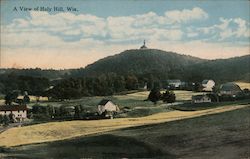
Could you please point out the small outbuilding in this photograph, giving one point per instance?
(208, 85)
(107, 106)
(201, 99)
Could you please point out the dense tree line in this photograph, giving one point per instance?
(33, 85)
(36, 72)
(93, 86)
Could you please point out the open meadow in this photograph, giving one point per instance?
(221, 135)
(243, 85)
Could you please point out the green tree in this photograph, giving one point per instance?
(26, 99)
(12, 118)
(154, 95)
(77, 111)
(6, 120)
(168, 97)
(131, 82)
(11, 97)
(1, 119)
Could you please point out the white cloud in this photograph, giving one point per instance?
(186, 15)
(90, 26)
(227, 28)
(192, 34)
(243, 28)
(163, 35)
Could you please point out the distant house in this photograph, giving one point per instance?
(230, 89)
(19, 111)
(208, 85)
(176, 83)
(201, 99)
(107, 106)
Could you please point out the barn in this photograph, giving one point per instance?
(230, 89)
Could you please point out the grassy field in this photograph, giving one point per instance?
(243, 85)
(203, 106)
(223, 135)
(127, 100)
(53, 131)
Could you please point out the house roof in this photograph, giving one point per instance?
(104, 102)
(206, 81)
(230, 87)
(13, 107)
(174, 81)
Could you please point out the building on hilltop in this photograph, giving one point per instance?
(144, 45)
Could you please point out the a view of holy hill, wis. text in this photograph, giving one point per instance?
(125, 79)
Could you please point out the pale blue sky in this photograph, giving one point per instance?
(205, 28)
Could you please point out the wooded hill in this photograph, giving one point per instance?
(169, 65)
(143, 62)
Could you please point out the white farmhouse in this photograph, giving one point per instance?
(19, 111)
(107, 106)
(208, 85)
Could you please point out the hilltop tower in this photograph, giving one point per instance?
(144, 45)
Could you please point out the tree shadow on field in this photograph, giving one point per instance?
(103, 146)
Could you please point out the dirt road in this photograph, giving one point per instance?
(64, 130)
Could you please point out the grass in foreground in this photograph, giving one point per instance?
(224, 135)
(64, 130)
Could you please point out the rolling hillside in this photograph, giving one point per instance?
(169, 65)
(232, 69)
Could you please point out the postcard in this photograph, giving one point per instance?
(124, 79)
